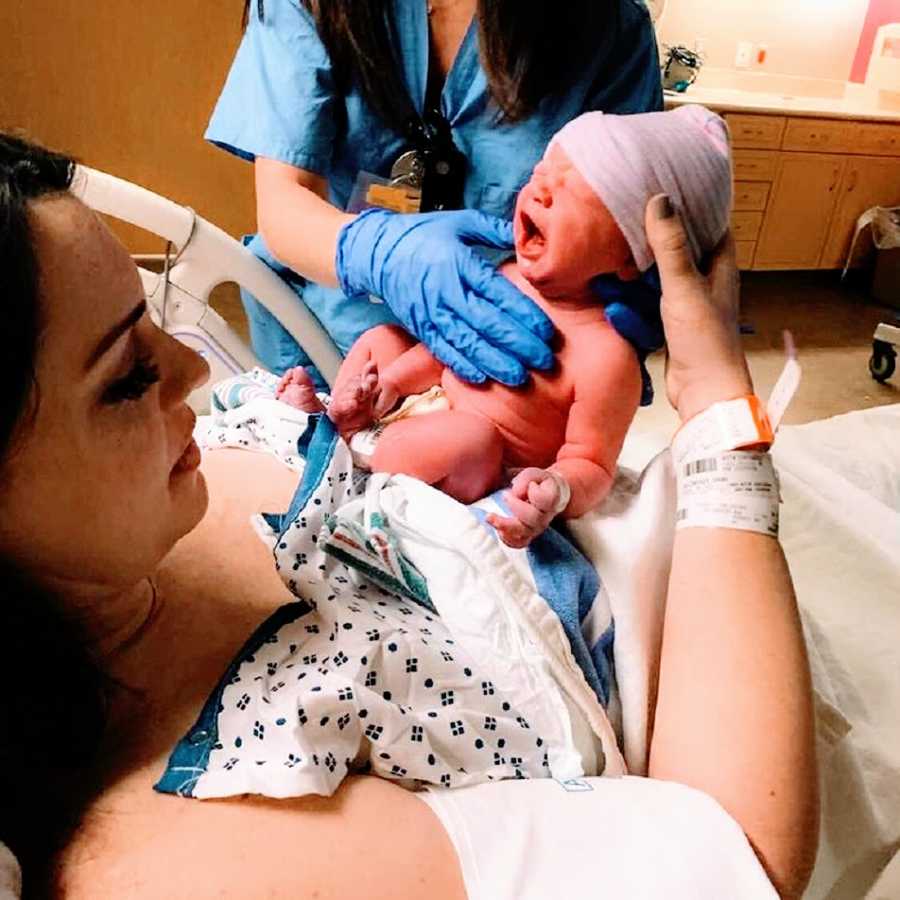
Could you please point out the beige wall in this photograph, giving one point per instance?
(128, 87)
(816, 38)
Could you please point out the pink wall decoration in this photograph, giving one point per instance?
(880, 13)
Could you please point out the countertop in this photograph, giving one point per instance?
(856, 103)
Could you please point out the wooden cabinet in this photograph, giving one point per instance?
(754, 165)
(759, 132)
(751, 195)
(867, 182)
(744, 251)
(880, 139)
(800, 210)
(745, 226)
(828, 135)
(801, 183)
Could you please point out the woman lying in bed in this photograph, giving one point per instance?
(127, 591)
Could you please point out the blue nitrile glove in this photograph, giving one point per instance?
(468, 315)
(633, 309)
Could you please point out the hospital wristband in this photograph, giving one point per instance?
(727, 425)
(565, 491)
(731, 489)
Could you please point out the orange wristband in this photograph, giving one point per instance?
(740, 424)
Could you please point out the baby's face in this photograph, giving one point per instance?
(564, 234)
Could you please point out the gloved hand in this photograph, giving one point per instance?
(633, 308)
(468, 315)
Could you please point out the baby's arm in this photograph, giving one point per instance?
(413, 372)
(607, 395)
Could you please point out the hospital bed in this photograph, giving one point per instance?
(840, 530)
(199, 257)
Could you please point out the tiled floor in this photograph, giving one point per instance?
(832, 326)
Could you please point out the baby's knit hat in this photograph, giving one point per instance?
(628, 159)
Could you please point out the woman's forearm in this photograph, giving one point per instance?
(299, 225)
(734, 713)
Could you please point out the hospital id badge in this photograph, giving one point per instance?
(401, 193)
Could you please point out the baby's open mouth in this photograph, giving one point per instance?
(531, 234)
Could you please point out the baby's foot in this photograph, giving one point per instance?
(353, 408)
(296, 389)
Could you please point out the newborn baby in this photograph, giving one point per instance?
(580, 215)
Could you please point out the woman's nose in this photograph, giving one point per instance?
(187, 370)
(199, 370)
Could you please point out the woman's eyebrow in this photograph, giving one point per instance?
(115, 333)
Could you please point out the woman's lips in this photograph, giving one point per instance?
(189, 460)
(190, 456)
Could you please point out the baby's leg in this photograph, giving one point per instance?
(459, 453)
(296, 388)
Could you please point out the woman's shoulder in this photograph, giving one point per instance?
(134, 842)
(314, 846)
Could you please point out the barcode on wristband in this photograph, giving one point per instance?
(700, 466)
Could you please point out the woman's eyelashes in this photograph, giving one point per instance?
(140, 378)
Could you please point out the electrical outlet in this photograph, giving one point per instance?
(743, 58)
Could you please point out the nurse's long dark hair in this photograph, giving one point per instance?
(53, 703)
(530, 49)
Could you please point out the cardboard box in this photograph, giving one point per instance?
(886, 283)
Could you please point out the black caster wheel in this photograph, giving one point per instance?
(883, 361)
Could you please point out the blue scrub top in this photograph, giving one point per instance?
(280, 102)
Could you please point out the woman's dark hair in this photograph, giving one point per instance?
(27, 173)
(53, 709)
(530, 49)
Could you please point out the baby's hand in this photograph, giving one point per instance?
(534, 499)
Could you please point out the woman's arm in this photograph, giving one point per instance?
(297, 222)
(371, 839)
(734, 711)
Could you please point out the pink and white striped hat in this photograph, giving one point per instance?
(627, 160)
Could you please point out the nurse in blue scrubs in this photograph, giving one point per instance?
(457, 97)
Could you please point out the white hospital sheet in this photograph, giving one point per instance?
(597, 837)
(841, 534)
